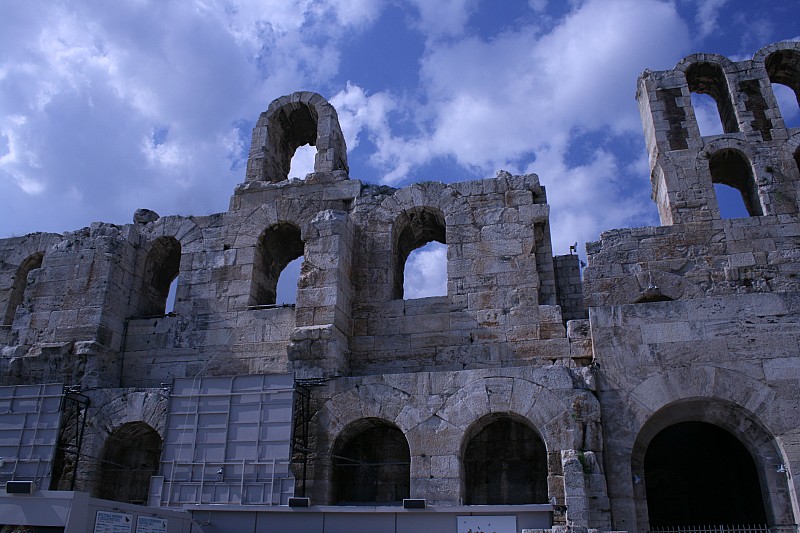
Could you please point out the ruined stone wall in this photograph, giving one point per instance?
(693, 321)
(696, 321)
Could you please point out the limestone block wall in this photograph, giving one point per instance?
(733, 256)
(731, 361)
(438, 413)
(499, 304)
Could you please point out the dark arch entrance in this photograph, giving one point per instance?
(505, 463)
(371, 464)
(130, 458)
(697, 473)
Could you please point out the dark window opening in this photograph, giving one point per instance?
(783, 68)
(161, 270)
(652, 296)
(797, 158)
(505, 464)
(130, 457)
(19, 285)
(278, 246)
(699, 474)
(731, 168)
(708, 79)
(414, 229)
(371, 464)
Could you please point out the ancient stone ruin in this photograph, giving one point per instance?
(659, 390)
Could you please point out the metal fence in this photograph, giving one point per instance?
(754, 528)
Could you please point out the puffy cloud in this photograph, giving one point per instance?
(425, 272)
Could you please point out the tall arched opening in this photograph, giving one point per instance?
(161, 267)
(371, 464)
(278, 245)
(505, 463)
(732, 169)
(413, 229)
(130, 458)
(19, 285)
(707, 462)
(708, 78)
(697, 473)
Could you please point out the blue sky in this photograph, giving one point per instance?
(106, 107)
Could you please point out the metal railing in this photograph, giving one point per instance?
(749, 528)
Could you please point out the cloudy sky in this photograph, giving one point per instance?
(106, 107)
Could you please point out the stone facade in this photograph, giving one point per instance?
(695, 321)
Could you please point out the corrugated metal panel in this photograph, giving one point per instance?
(29, 421)
(228, 440)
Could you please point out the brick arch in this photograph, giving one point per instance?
(290, 122)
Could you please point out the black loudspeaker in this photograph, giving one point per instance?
(20, 487)
(414, 503)
(299, 502)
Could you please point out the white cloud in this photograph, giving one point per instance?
(707, 15)
(444, 18)
(425, 272)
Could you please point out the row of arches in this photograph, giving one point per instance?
(504, 462)
(710, 87)
(279, 258)
(741, 188)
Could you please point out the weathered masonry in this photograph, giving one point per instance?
(659, 391)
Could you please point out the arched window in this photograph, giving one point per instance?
(278, 246)
(371, 464)
(696, 473)
(130, 457)
(414, 229)
(161, 267)
(731, 168)
(783, 68)
(19, 284)
(505, 463)
(293, 121)
(708, 79)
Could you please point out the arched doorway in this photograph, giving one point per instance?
(505, 463)
(697, 473)
(130, 458)
(371, 464)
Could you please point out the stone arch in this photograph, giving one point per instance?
(414, 228)
(371, 463)
(161, 266)
(277, 246)
(723, 397)
(504, 462)
(731, 167)
(742, 427)
(782, 62)
(707, 74)
(20, 281)
(651, 285)
(290, 122)
(130, 456)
